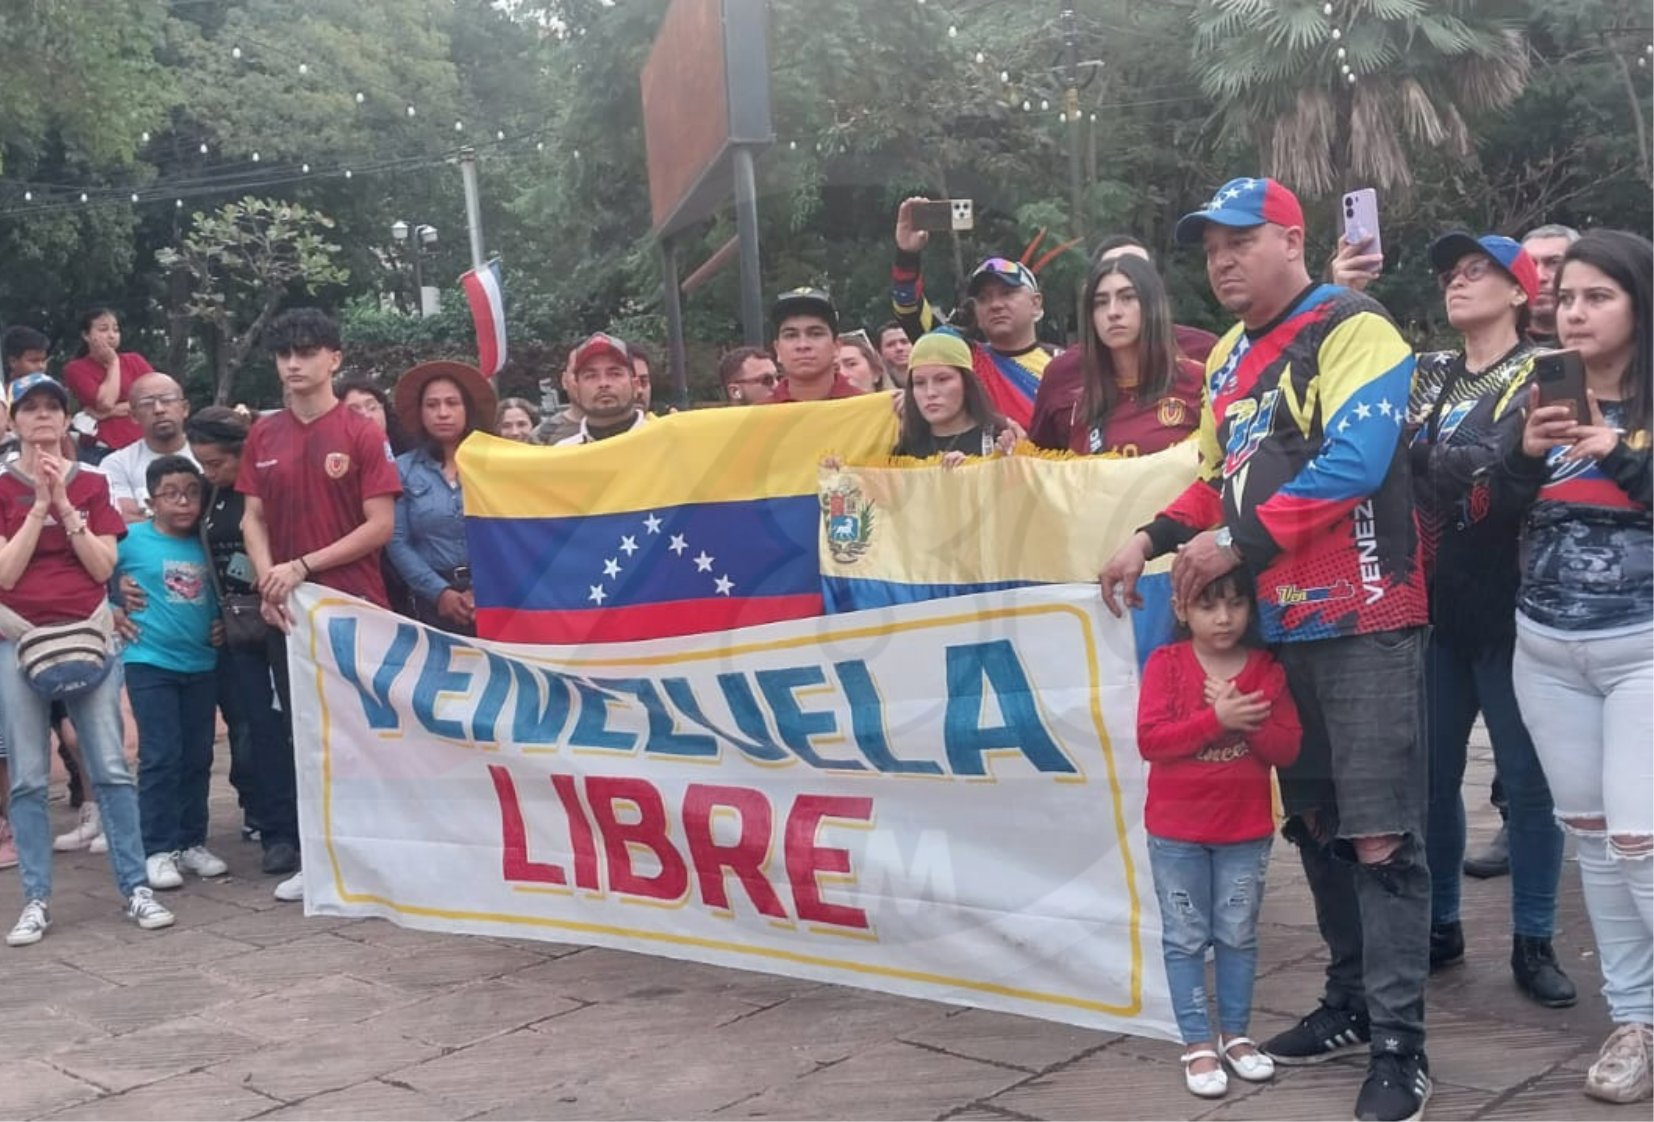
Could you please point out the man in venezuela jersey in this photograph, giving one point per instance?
(1008, 308)
(1304, 481)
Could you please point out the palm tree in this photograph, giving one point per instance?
(1339, 92)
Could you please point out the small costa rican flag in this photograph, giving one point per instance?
(486, 295)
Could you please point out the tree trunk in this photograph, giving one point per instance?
(221, 365)
(178, 324)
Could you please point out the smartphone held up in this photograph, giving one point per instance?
(1560, 376)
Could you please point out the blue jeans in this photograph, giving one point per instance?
(1209, 897)
(175, 714)
(26, 718)
(1458, 685)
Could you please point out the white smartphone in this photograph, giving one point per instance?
(1361, 218)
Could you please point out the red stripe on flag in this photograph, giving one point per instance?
(642, 621)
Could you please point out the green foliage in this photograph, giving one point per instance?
(241, 262)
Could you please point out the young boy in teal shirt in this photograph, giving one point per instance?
(171, 675)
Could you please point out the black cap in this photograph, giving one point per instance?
(804, 301)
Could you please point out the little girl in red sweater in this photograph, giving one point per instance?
(1213, 716)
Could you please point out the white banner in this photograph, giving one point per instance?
(942, 800)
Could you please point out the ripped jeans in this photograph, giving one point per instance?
(1587, 702)
(1209, 897)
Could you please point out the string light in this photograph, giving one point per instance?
(953, 32)
(146, 136)
(203, 147)
(1005, 76)
(411, 112)
(347, 173)
(235, 52)
(981, 58)
(459, 126)
(134, 196)
(28, 196)
(304, 169)
(1326, 9)
(304, 68)
(1044, 105)
(1337, 34)
(360, 97)
(255, 157)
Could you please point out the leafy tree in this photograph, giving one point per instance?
(1347, 88)
(242, 261)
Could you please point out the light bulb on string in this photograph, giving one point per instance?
(792, 145)
(1005, 76)
(1342, 54)
(981, 58)
(459, 126)
(347, 173)
(1351, 77)
(235, 52)
(360, 97)
(203, 147)
(28, 196)
(255, 157)
(539, 146)
(577, 153)
(83, 196)
(1026, 108)
(953, 32)
(304, 68)
(1044, 105)
(178, 203)
(1326, 9)
(1337, 34)
(304, 169)
(134, 196)
(411, 111)
(145, 136)
(499, 134)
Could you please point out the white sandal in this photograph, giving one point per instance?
(1205, 1084)
(1254, 1068)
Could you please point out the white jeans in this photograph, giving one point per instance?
(1589, 704)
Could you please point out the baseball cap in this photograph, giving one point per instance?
(940, 348)
(600, 343)
(1003, 269)
(1447, 250)
(36, 383)
(1242, 203)
(804, 301)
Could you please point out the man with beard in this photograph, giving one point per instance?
(160, 408)
(605, 390)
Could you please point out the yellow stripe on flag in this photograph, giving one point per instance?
(704, 456)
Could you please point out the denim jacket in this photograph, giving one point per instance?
(429, 541)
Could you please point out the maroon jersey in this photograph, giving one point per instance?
(83, 377)
(842, 387)
(1063, 384)
(1132, 428)
(312, 479)
(55, 587)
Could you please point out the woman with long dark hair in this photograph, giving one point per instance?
(1140, 394)
(101, 376)
(945, 410)
(445, 402)
(1584, 616)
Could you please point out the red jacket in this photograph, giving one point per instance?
(1207, 784)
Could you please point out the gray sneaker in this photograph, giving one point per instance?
(146, 911)
(31, 925)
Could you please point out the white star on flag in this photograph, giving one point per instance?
(652, 524)
(1362, 411)
(628, 545)
(678, 544)
(1384, 407)
(724, 585)
(611, 567)
(1344, 425)
(597, 595)
(703, 563)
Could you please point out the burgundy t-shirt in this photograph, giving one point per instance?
(312, 479)
(83, 377)
(842, 387)
(55, 587)
(1064, 383)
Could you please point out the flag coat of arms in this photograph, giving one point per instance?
(701, 521)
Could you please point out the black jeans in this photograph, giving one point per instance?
(259, 673)
(1362, 772)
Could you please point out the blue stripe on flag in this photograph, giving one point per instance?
(845, 594)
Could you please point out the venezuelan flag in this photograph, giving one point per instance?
(701, 521)
(898, 534)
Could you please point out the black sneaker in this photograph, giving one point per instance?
(1396, 1089)
(280, 859)
(1323, 1034)
(1446, 945)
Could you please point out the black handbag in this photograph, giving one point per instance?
(244, 625)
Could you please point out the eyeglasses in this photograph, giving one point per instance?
(762, 380)
(1472, 271)
(158, 401)
(174, 495)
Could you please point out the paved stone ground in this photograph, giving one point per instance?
(247, 1009)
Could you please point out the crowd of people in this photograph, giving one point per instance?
(1381, 546)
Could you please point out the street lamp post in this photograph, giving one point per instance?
(420, 240)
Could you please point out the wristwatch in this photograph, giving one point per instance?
(1226, 542)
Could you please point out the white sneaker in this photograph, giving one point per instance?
(1621, 1073)
(162, 870)
(88, 828)
(199, 860)
(31, 925)
(100, 844)
(292, 888)
(146, 911)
